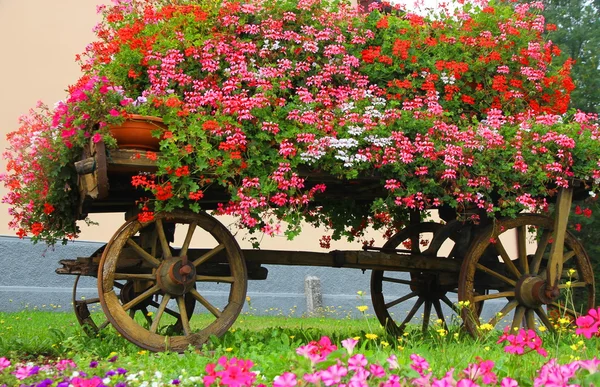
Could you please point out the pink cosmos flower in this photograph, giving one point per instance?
(466, 383)
(590, 365)
(377, 370)
(333, 375)
(64, 364)
(356, 362)
(82, 382)
(26, 371)
(288, 379)
(419, 364)
(553, 374)
(508, 382)
(349, 344)
(4, 363)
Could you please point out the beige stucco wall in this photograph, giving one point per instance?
(38, 41)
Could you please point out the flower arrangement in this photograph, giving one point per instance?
(461, 108)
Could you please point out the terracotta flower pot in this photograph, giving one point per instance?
(136, 132)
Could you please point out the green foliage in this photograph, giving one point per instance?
(578, 36)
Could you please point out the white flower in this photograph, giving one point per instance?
(355, 130)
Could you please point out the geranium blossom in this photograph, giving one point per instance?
(441, 111)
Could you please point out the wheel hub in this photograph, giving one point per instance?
(176, 276)
(531, 292)
(428, 286)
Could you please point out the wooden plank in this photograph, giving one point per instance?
(354, 259)
(130, 159)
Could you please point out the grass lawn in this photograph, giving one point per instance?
(43, 337)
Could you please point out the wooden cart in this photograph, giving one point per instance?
(149, 289)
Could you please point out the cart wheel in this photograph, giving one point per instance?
(165, 282)
(517, 276)
(82, 306)
(426, 289)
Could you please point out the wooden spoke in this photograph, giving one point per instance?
(397, 280)
(103, 325)
(573, 285)
(151, 260)
(131, 276)
(544, 318)
(162, 237)
(518, 318)
(88, 301)
(504, 311)
(208, 278)
(167, 310)
(530, 318)
(147, 316)
(412, 312)
(522, 248)
(188, 238)
(205, 303)
(208, 255)
(495, 274)
(565, 310)
(546, 262)
(184, 317)
(151, 241)
(426, 314)
(141, 297)
(506, 258)
(568, 256)
(132, 313)
(491, 296)
(440, 313)
(401, 299)
(159, 312)
(447, 301)
(539, 252)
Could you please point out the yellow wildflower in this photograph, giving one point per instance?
(486, 327)
(371, 336)
(362, 308)
(228, 349)
(385, 344)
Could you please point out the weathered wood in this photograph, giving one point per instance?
(83, 266)
(101, 172)
(124, 160)
(130, 260)
(561, 219)
(85, 166)
(171, 282)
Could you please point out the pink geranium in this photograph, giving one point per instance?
(589, 324)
